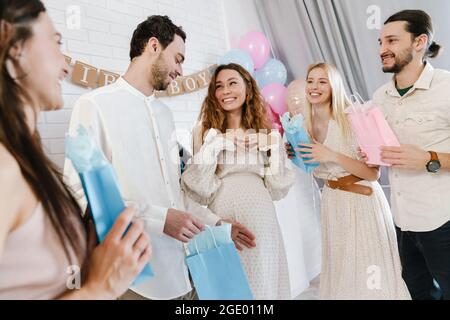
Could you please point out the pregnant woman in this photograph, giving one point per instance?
(238, 169)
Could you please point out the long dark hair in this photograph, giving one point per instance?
(418, 23)
(43, 177)
(254, 111)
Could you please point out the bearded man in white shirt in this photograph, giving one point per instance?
(137, 134)
(416, 104)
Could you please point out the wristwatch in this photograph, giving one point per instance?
(434, 164)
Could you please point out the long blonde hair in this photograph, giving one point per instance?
(339, 99)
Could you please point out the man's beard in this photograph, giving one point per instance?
(401, 61)
(159, 74)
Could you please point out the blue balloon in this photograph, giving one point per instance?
(239, 57)
(273, 71)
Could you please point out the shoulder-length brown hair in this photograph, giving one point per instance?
(43, 177)
(254, 110)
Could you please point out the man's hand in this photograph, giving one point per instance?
(405, 157)
(182, 225)
(241, 236)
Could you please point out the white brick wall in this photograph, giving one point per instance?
(103, 41)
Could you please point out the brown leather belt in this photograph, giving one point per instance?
(348, 183)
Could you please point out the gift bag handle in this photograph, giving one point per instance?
(212, 234)
(356, 99)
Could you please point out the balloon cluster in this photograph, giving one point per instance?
(254, 55)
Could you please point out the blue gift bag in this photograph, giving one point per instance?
(100, 187)
(205, 241)
(103, 197)
(295, 134)
(217, 273)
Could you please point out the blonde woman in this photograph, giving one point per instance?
(359, 257)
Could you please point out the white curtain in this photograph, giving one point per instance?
(302, 32)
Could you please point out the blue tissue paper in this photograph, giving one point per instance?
(100, 186)
(295, 134)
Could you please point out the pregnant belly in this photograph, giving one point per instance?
(243, 196)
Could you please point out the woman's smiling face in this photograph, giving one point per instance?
(230, 90)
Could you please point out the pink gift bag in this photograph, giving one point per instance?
(371, 129)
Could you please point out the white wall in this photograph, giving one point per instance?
(240, 17)
(103, 41)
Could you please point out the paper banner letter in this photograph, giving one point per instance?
(190, 84)
(84, 75)
(175, 88)
(68, 59)
(106, 77)
(203, 78)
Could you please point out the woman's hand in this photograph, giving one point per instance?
(363, 156)
(250, 141)
(118, 259)
(241, 235)
(317, 152)
(289, 150)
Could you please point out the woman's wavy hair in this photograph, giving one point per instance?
(254, 110)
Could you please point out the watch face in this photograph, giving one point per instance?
(433, 166)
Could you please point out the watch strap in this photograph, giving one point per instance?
(434, 156)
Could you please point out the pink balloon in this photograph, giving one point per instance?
(274, 120)
(257, 45)
(275, 95)
(296, 96)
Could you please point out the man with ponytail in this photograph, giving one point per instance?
(416, 103)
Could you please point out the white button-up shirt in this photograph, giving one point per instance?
(137, 135)
(420, 200)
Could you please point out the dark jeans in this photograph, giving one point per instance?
(425, 256)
